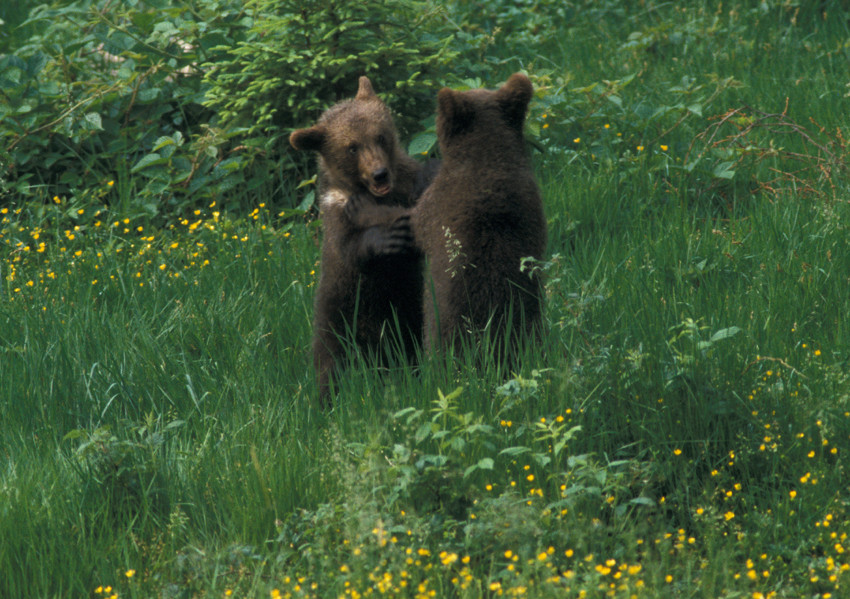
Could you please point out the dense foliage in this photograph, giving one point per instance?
(682, 430)
(182, 103)
(299, 56)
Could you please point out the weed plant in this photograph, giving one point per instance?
(681, 430)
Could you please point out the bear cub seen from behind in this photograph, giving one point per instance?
(370, 283)
(479, 218)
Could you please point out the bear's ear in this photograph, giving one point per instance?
(308, 139)
(455, 111)
(513, 98)
(365, 91)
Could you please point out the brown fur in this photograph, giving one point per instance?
(370, 274)
(479, 217)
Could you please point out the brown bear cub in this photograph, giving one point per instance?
(370, 285)
(479, 218)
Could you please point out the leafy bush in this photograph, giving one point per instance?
(129, 92)
(300, 57)
(12, 14)
(104, 91)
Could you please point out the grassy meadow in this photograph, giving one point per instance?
(683, 430)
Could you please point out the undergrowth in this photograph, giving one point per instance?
(680, 430)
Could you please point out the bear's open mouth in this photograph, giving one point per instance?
(380, 190)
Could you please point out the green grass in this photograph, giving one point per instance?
(682, 430)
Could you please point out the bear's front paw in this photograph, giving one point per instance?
(385, 241)
(399, 238)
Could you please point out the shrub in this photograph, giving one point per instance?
(101, 91)
(300, 57)
(180, 103)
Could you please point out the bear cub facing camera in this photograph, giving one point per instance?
(481, 215)
(370, 284)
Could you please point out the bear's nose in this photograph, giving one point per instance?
(381, 175)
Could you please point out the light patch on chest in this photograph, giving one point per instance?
(331, 198)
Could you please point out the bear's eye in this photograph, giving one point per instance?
(352, 149)
(382, 140)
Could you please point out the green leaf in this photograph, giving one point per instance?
(451, 396)
(515, 451)
(403, 412)
(146, 161)
(306, 182)
(724, 170)
(483, 464)
(423, 432)
(35, 64)
(74, 434)
(162, 142)
(307, 202)
(422, 143)
(486, 464)
(93, 121)
(724, 334)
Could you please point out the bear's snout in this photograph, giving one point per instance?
(381, 176)
(380, 181)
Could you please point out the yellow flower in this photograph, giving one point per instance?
(640, 148)
(663, 148)
(577, 140)
(448, 558)
(728, 516)
(677, 452)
